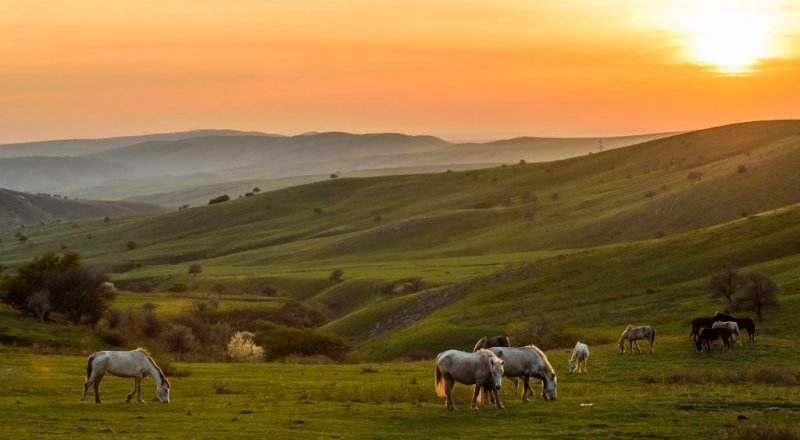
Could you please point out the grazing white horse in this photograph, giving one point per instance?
(632, 334)
(527, 362)
(580, 355)
(482, 368)
(732, 327)
(135, 363)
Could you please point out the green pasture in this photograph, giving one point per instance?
(674, 393)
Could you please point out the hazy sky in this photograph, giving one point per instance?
(462, 69)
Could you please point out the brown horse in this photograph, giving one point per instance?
(492, 341)
(701, 323)
(743, 323)
(708, 335)
(633, 334)
(482, 368)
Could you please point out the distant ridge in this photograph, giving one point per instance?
(18, 209)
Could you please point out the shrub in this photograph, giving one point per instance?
(270, 290)
(39, 304)
(178, 288)
(131, 245)
(213, 302)
(179, 338)
(336, 275)
(219, 288)
(242, 348)
(280, 341)
(219, 199)
(387, 288)
(741, 168)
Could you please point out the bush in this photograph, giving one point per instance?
(270, 290)
(139, 287)
(131, 245)
(195, 269)
(179, 338)
(336, 275)
(218, 288)
(280, 341)
(242, 348)
(178, 288)
(219, 199)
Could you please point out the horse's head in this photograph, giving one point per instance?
(622, 346)
(549, 386)
(573, 364)
(163, 392)
(497, 371)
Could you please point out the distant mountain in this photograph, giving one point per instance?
(77, 147)
(18, 208)
(54, 174)
(187, 162)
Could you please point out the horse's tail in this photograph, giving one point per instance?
(439, 384)
(699, 344)
(89, 367)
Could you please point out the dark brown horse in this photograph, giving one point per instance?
(492, 341)
(701, 323)
(743, 323)
(708, 335)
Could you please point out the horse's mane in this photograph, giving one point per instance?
(624, 332)
(153, 363)
(544, 357)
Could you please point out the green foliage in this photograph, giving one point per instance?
(279, 341)
(35, 276)
(760, 291)
(219, 199)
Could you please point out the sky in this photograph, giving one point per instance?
(460, 69)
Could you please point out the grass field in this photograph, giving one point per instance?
(674, 393)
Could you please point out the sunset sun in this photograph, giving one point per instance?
(731, 39)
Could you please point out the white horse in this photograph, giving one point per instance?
(580, 355)
(527, 362)
(482, 368)
(136, 364)
(732, 326)
(633, 334)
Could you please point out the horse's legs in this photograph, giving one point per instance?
(526, 386)
(97, 381)
(137, 389)
(474, 405)
(497, 399)
(448, 391)
(634, 342)
(652, 343)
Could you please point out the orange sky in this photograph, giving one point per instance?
(462, 69)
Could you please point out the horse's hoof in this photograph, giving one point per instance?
(475, 408)
(501, 407)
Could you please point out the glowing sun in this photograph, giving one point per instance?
(730, 36)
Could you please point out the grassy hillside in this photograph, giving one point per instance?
(593, 242)
(18, 209)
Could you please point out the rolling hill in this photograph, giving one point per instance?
(28, 209)
(145, 168)
(635, 230)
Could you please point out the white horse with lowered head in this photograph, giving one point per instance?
(732, 327)
(527, 362)
(580, 355)
(482, 368)
(135, 363)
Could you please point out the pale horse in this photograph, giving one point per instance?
(482, 368)
(527, 362)
(135, 363)
(580, 356)
(732, 327)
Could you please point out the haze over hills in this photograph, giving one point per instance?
(78, 147)
(642, 226)
(157, 166)
(18, 209)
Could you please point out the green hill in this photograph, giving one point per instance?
(589, 243)
(28, 209)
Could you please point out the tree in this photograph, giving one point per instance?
(179, 338)
(256, 190)
(336, 275)
(80, 292)
(318, 211)
(219, 199)
(242, 348)
(195, 269)
(725, 283)
(760, 291)
(219, 288)
(32, 277)
(131, 245)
